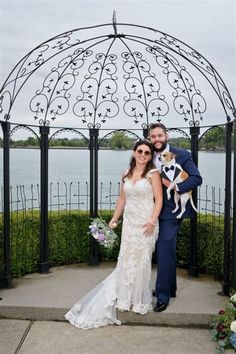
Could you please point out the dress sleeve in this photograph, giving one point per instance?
(150, 173)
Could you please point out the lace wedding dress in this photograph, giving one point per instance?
(128, 287)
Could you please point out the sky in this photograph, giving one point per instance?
(207, 26)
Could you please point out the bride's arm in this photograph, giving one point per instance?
(158, 196)
(120, 203)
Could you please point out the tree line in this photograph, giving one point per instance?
(214, 139)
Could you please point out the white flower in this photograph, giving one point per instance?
(233, 297)
(233, 326)
(95, 235)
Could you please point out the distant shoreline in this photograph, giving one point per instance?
(100, 148)
(64, 148)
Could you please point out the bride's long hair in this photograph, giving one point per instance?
(150, 165)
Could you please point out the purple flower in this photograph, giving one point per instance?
(101, 236)
(93, 228)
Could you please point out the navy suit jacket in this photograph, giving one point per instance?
(184, 159)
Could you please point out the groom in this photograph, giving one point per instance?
(168, 224)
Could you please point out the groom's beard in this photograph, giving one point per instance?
(162, 148)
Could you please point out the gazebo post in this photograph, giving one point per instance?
(234, 212)
(93, 148)
(193, 270)
(6, 206)
(227, 207)
(43, 264)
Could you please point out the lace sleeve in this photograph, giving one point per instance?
(150, 173)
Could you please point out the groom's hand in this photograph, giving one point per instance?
(165, 182)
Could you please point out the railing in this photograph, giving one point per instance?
(75, 196)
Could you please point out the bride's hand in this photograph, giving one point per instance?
(112, 224)
(149, 227)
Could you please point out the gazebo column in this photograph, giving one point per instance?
(43, 264)
(227, 207)
(193, 271)
(6, 205)
(93, 147)
(234, 213)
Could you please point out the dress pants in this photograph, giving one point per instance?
(166, 259)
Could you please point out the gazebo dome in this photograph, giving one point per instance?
(115, 75)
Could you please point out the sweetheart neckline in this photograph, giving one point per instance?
(138, 180)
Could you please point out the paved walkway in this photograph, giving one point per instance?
(30, 312)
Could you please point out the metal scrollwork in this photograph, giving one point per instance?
(70, 130)
(181, 131)
(54, 97)
(187, 99)
(24, 127)
(201, 63)
(97, 102)
(144, 99)
(89, 77)
(94, 126)
(108, 135)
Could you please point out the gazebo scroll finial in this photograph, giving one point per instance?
(114, 22)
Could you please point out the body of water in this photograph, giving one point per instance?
(73, 166)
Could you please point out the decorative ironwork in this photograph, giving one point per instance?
(118, 130)
(75, 196)
(70, 130)
(188, 100)
(181, 131)
(114, 22)
(98, 101)
(112, 70)
(53, 99)
(211, 129)
(24, 127)
(143, 88)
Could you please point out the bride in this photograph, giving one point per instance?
(128, 287)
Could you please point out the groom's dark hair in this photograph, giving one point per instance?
(157, 125)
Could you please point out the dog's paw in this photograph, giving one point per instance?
(174, 211)
(178, 216)
(168, 196)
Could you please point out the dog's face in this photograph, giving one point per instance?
(167, 158)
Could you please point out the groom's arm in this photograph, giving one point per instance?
(194, 178)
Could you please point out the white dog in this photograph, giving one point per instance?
(179, 175)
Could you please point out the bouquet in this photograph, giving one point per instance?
(224, 327)
(100, 230)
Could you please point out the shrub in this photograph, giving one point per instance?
(69, 242)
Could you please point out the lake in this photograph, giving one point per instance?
(73, 166)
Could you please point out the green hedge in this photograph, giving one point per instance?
(69, 242)
(210, 245)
